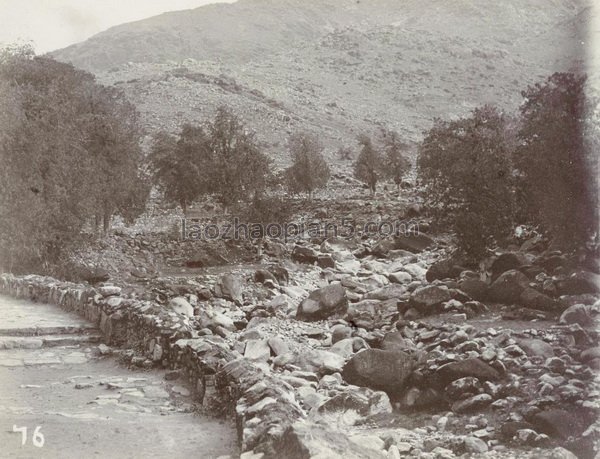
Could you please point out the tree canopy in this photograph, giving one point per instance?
(309, 170)
(69, 154)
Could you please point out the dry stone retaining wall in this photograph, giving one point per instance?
(264, 406)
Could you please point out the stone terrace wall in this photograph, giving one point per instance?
(264, 406)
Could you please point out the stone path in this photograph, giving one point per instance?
(84, 404)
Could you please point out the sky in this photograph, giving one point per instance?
(54, 24)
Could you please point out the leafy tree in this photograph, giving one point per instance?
(557, 175)
(368, 167)
(239, 170)
(176, 164)
(396, 164)
(221, 158)
(69, 153)
(309, 170)
(466, 168)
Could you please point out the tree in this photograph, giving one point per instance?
(177, 165)
(69, 150)
(396, 164)
(239, 170)
(557, 175)
(368, 167)
(466, 168)
(309, 170)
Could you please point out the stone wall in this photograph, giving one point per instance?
(265, 408)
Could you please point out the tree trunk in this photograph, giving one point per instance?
(106, 221)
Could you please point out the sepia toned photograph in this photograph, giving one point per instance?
(299, 229)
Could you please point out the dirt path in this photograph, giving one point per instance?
(86, 404)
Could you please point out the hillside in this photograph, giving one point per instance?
(337, 68)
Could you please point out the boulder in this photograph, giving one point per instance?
(109, 290)
(400, 277)
(303, 254)
(536, 348)
(394, 341)
(475, 288)
(323, 303)
(579, 283)
(325, 261)
(506, 262)
(533, 299)
(263, 275)
(180, 305)
(257, 349)
(280, 273)
(474, 367)
(475, 445)
(414, 243)
(340, 332)
(371, 314)
(443, 269)
(426, 298)
(230, 287)
(306, 440)
(274, 248)
(392, 291)
(576, 314)
(362, 400)
(559, 423)
(507, 288)
(379, 370)
(474, 403)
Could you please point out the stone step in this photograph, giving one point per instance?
(43, 341)
(51, 330)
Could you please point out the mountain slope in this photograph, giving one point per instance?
(337, 68)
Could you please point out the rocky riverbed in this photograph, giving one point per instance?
(368, 347)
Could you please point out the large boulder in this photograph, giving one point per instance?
(303, 254)
(576, 314)
(443, 269)
(414, 243)
(475, 288)
(533, 299)
(182, 306)
(559, 423)
(230, 287)
(306, 440)
(579, 283)
(362, 400)
(323, 303)
(380, 370)
(507, 288)
(536, 348)
(370, 314)
(424, 299)
(469, 367)
(506, 262)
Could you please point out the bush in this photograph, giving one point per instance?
(466, 168)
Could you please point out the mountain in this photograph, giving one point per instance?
(335, 67)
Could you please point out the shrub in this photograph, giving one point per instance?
(466, 168)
